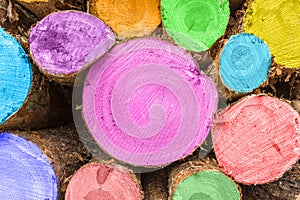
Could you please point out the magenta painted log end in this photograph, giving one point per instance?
(65, 42)
(145, 103)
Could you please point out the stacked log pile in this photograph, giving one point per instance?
(156, 86)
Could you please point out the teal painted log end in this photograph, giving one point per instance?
(15, 76)
(244, 63)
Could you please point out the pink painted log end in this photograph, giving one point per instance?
(257, 139)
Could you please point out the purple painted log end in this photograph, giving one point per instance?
(65, 42)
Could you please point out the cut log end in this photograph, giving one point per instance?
(207, 185)
(63, 43)
(15, 76)
(141, 111)
(128, 18)
(101, 181)
(201, 179)
(63, 149)
(256, 139)
(196, 25)
(25, 171)
(261, 18)
(241, 59)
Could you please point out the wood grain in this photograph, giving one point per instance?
(105, 181)
(278, 25)
(128, 18)
(256, 139)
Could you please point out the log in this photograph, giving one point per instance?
(134, 103)
(296, 105)
(286, 188)
(235, 5)
(195, 25)
(244, 63)
(256, 139)
(38, 164)
(15, 19)
(128, 18)
(103, 181)
(201, 179)
(64, 43)
(155, 184)
(41, 8)
(27, 101)
(261, 18)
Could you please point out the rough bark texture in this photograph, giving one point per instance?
(63, 149)
(286, 188)
(41, 8)
(155, 185)
(16, 19)
(236, 5)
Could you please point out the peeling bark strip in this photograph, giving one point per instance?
(41, 8)
(201, 179)
(135, 103)
(26, 99)
(128, 18)
(155, 185)
(63, 43)
(261, 18)
(103, 181)
(257, 139)
(286, 188)
(31, 174)
(244, 63)
(196, 24)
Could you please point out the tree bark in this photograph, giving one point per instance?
(286, 188)
(41, 8)
(155, 185)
